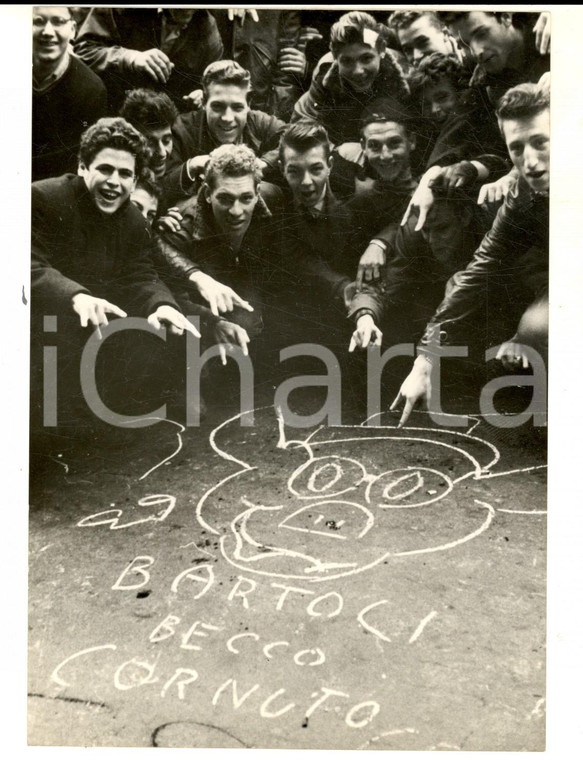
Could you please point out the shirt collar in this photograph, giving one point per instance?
(41, 86)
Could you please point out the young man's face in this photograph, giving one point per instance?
(110, 178)
(226, 112)
(528, 143)
(233, 200)
(160, 141)
(422, 38)
(445, 229)
(387, 148)
(359, 65)
(52, 30)
(439, 100)
(492, 42)
(146, 204)
(306, 174)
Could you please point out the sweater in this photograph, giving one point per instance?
(60, 115)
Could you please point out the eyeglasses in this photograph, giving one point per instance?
(39, 22)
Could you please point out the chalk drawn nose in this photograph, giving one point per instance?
(407, 487)
(337, 520)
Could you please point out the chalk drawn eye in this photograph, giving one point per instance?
(326, 476)
(407, 487)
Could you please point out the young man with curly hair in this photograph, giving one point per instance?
(91, 249)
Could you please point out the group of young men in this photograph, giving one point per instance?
(401, 198)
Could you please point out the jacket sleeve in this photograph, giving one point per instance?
(467, 290)
(99, 44)
(47, 283)
(172, 248)
(271, 131)
(287, 88)
(369, 300)
(140, 289)
(311, 103)
(406, 257)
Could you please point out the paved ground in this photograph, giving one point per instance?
(270, 587)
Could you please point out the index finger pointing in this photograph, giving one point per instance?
(189, 327)
(406, 412)
(113, 309)
(237, 301)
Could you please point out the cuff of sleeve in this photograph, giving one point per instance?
(363, 313)
(380, 243)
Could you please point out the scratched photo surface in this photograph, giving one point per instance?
(246, 582)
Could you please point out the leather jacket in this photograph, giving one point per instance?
(521, 225)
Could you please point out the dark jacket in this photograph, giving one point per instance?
(108, 36)
(334, 103)
(472, 134)
(192, 138)
(77, 249)
(200, 246)
(416, 270)
(256, 47)
(521, 227)
(319, 251)
(60, 115)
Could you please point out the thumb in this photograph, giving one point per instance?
(154, 321)
(352, 345)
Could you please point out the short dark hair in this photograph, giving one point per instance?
(384, 110)
(523, 101)
(114, 133)
(432, 69)
(403, 19)
(148, 110)
(519, 20)
(349, 29)
(225, 72)
(147, 181)
(303, 135)
(231, 161)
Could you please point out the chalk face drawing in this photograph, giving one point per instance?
(335, 501)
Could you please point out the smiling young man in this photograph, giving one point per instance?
(67, 95)
(218, 259)
(381, 160)
(224, 119)
(358, 70)
(91, 247)
(153, 114)
(316, 228)
(503, 45)
(421, 33)
(514, 252)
